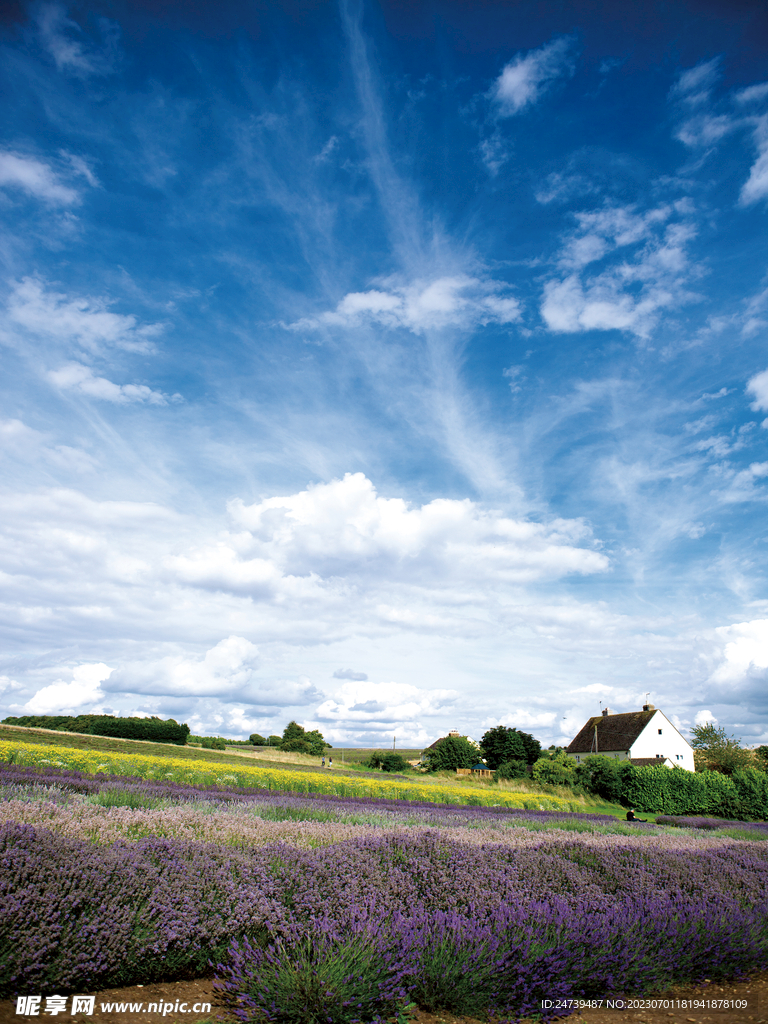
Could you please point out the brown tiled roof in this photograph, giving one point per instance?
(614, 732)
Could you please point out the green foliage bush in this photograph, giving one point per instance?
(213, 743)
(517, 769)
(157, 730)
(559, 770)
(258, 740)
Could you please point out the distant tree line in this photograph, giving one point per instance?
(157, 730)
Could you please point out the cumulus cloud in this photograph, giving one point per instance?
(36, 179)
(524, 79)
(62, 697)
(86, 322)
(346, 528)
(758, 386)
(348, 673)
(454, 301)
(79, 378)
(704, 717)
(228, 671)
(743, 650)
(384, 709)
(626, 296)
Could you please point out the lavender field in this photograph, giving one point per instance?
(338, 909)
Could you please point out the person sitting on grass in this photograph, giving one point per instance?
(631, 816)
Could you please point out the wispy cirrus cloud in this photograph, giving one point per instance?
(63, 40)
(524, 79)
(36, 179)
(756, 185)
(82, 380)
(82, 321)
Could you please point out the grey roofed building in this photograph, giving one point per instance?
(614, 732)
(641, 737)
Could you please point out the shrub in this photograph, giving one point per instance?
(517, 769)
(559, 770)
(213, 743)
(257, 740)
(393, 762)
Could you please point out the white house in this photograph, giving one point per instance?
(642, 737)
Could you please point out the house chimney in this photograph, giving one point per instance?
(649, 707)
(454, 732)
(605, 712)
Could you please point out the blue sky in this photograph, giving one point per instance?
(391, 368)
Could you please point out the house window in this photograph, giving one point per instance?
(659, 732)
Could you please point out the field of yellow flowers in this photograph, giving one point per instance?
(206, 773)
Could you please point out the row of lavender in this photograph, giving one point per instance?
(15, 781)
(18, 782)
(351, 931)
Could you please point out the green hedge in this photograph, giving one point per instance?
(157, 730)
(677, 791)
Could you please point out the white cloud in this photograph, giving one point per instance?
(694, 85)
(744, 647)
(611, 298)
(35, 178)
(524, 79)
(758, 386)
(704, 717)
(57, 35)
(756, 185)
(61, 697)
(228, 671)
(753, 93)
(84, 321)
(345, 527)
(446, 301)
(522, 719)
(76, 377)
(381, 710)
(348, 673)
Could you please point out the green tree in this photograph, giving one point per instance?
(761, 756)
(257, 740)
(714, 751)
(450, 753)
(502, 744)
(274, 741)
(297, 739)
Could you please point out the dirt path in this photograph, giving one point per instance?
(670, 1006)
